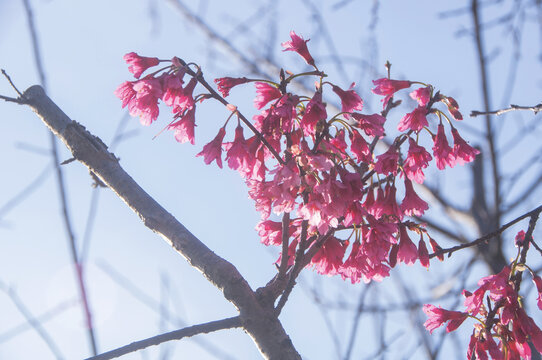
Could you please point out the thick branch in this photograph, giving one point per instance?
(265, 329)
(206, 328)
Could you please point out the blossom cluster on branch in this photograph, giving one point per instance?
(502, 328)
(325, 195)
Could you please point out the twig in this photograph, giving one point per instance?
(11, 83)
(229, 323)
(30, 319)
(147, 300)
(357, 318)
(486, 237)
(68, 227)
(535, 109)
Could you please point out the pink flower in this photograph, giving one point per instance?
(423, 254)
(126, 93)
(173, 85)
(225, 84)
(213, 150)
(438, 316)
(265, 93)
(184, 128)
(350, 100)
(412, 204)
(299, 45)
(415, 120)
(453, 107)
(444, 154)
(183, 99)
(373, 125)
(538, 282)
(387, 163)
(314, 112)
(360, 148)
(480, 344)
(422, 95)
(270, 232)
(238, 155)
(388, 87)
(418, 158)
(436, 247)
(138, 64)
(145, 104)
(330, 257)
(463, 152)
(407, 252)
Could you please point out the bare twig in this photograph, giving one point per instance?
(158, 307)
(79, 270)
(486, 237)
(30, 319)
(229, 323)
(535, 109)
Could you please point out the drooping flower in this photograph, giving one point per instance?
(350, 100)
(184, 128)
(389, 87)
(126, 92)
(373, 125)
(330, 257)
(422, 95)
(299, 45)
(417, 159)
(145, 103)
(438, 316)
(412, 204)
(270, 232)
(444, 154)
(225, 84)
(360, 148)
(314, 112)
(520, 238)
(415, 120)
(138, 64)
(407, 251)
(238, 155)
(387, 162)
(453, 107)
(463, 152)
(213, 150)
(183, 99)
(538, 282)
(265, 93)
(423, 254)
(173, 88)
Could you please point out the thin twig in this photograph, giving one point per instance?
(486, 237)
(229, 323)
(535, 109)
(11, 83)
(31, 319)
(79, 270)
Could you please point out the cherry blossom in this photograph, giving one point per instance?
(299, 45)
(138, 64)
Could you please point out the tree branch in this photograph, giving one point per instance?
(212, 326)
(260, 322)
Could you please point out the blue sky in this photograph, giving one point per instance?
(82, 46)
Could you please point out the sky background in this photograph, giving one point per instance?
(82, 44)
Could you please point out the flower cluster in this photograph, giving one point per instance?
(340, 202)
(503, 329)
